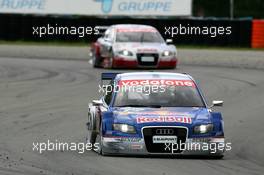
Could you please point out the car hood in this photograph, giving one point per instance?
(185, 116)
(144, 47)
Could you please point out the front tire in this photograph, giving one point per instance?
(100, 151)
(91, 133)
(96, 61)
(108, 62)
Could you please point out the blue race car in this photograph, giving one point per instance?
(146, 113)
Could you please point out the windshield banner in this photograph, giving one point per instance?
(188, 83)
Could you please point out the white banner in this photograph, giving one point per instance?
(99, 7)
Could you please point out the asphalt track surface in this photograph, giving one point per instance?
(44, 99)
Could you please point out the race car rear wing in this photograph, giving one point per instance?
(108, 75)
(106, 78)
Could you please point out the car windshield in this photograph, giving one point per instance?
(150, 96)
(148, 37)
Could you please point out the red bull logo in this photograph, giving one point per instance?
(169, 119)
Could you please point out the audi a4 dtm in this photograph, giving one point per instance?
(148, 113)
(133, 46)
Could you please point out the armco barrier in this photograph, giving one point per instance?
(257, 34)
(19, 27)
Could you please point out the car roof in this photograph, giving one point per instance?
(153, 75)
(132, 26)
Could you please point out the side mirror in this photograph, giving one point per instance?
(107, 40)
(97, 102)
(169, 41)
(217, 103)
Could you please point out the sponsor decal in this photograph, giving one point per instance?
(164, 139)
(121, 139)
(170, 119)
(188, 83)
(136, 147)
(129, 139)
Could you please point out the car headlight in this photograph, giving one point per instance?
(124, 128)
(125, 53)
(167, 53)
(203, 129)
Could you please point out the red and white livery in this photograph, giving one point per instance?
(133, 46)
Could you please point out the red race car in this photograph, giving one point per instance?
(133, 46)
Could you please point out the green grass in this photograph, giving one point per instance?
(84, 44)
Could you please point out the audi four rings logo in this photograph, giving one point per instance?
(165, 131)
